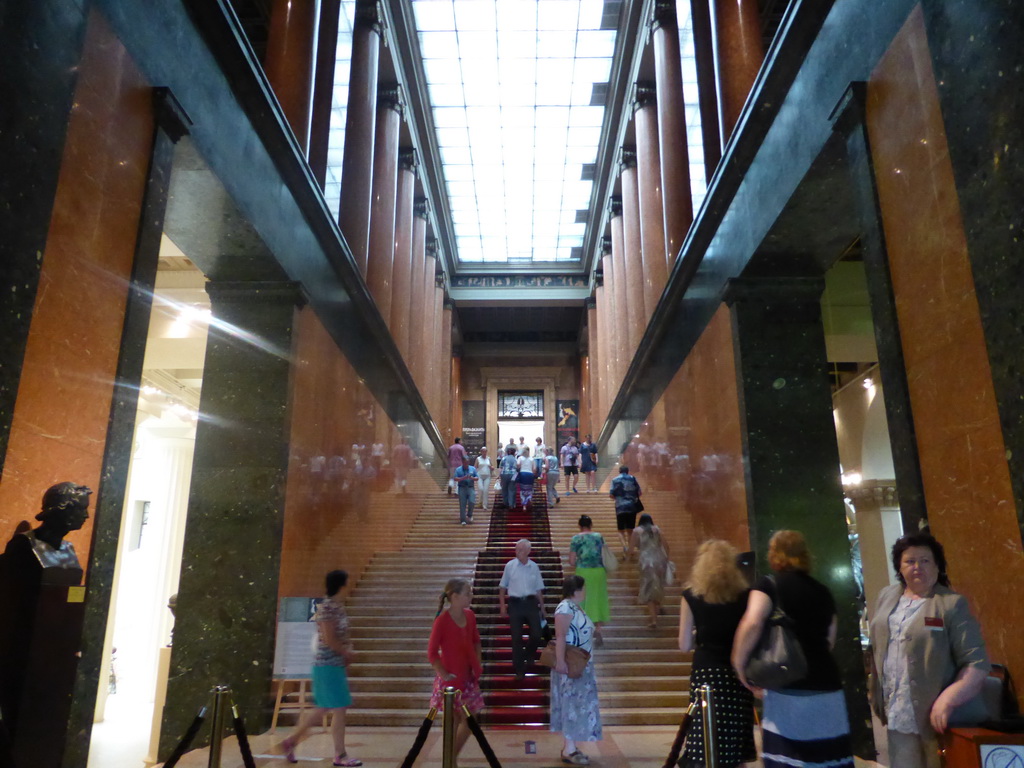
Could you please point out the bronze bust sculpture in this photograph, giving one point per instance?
(65, 509)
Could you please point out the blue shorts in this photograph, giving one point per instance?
(330, 687)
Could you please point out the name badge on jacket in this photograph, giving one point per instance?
(933, 622)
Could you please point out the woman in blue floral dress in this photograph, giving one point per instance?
(575, 712)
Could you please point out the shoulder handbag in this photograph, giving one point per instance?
(778, 660)
(638, 506)
(575, 658)
(608, 559)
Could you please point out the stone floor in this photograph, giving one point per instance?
(622, 747)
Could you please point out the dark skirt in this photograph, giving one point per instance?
(734, 721)
(805, 728)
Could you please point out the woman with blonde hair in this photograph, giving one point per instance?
(713, 603)
(455, 654)
(806, 722)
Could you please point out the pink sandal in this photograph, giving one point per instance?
(288, 747)
(346, 762)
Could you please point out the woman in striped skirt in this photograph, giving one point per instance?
(804, 724)
(713, 604)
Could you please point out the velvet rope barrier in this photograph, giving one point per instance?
(421, 738)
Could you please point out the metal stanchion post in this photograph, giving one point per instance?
(448, 736)
(707, 711)
(221, 704)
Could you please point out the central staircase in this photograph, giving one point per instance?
(642, 677)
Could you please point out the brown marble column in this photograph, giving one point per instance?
(455, 400)
(599, 367)
(323, 88)
(618, 310)
(652, 213)
(707, 97)
(739, 52)
(360, 123)
(437, 369)
(632, 294)
(416, 310)
(289, 61)
(445, 367)
(586, 426)
(675, 161)
(594, 378)
(382, 214)
(401, 270)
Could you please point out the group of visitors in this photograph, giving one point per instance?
(519, 468)
(929, 657)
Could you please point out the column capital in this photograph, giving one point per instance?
(390, 97)
(599, 278)
(627, 159)
(774, 289)
(407, 159)
(645, 94)
(664, 15)
(421, 207)
(170, 115)
(368, 15)
(606, 245)
(439, 280)
(447, 303)
(615, 206)
(432, 247)
(590, 302)
(881, 492)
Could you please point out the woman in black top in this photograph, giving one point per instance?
(713, 604)
(806, 722)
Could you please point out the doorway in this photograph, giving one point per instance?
(513, 429)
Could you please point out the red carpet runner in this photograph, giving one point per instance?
(513, 703)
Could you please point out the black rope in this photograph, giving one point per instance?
(420, 740)
(677, 745)
(186, 740)
(474, 726)
(243, 738)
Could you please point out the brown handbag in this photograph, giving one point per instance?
(575, 658)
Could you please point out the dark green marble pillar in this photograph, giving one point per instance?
(848, 120)
(227, 598)
(791, 453)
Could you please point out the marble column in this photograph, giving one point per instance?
(455, 400)
(790, 449)
(171, 125)
(594, 377)
(445, 366)
(652, 212)
(739, 52)
(227, 595)
(604, 295)
(618, 311)
(599, 373)
(707, 97)
(289, 61)
(438, 368)
(385, 188)
(42, 52)
(632, 274)
(401, 270)
(675, 161)
(323, 88)
(878, 527)
(848, 120)
(360, 127)
(418, 266)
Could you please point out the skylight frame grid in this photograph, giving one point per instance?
(520, 138)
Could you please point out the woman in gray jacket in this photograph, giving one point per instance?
(928, 653)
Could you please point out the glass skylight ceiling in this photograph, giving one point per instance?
(518, 118)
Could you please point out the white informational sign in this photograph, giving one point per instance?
(1002, 756)
(293, 650)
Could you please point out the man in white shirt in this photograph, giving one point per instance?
(521, 599)
(522, 444)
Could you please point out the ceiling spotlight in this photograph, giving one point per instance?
(868, 383)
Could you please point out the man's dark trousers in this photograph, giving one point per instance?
(523, 610)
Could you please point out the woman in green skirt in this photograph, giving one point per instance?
(585, 554)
